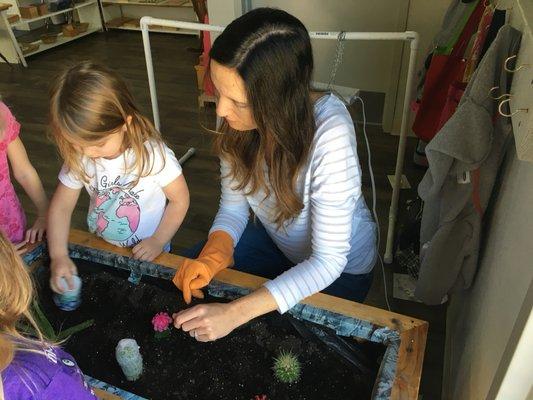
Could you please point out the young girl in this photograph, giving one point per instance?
(121, 159)
(30, 368)
(12, 219)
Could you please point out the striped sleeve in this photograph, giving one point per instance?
(335, 189)
(234, 210)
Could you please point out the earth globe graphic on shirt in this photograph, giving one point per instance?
(114, 214)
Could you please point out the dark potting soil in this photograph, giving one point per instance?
(238, 366)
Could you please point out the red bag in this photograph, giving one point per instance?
(444, 71)
(455, 92)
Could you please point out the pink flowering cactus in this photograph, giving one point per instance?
(260, 397)
(161, 321)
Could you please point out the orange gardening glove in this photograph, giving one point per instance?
(216, 255)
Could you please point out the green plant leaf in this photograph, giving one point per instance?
(162, 335)
(42, 322)
(26, 329)
(74, 329)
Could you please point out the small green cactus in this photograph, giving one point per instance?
(286, 367)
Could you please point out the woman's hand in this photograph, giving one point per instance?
(148, 249)
(193, 275)
(36, 232)
(62, 267)
(207, 322)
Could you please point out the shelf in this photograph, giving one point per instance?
(60, 40)
(28, 20)
(133, 24)
(162, 3)
(34, 35)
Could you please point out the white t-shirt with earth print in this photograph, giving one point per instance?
(121, 215)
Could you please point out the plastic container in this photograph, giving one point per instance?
(129, 358)
(70, 299)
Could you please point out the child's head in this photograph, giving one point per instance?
(16, 295)
(92, 114)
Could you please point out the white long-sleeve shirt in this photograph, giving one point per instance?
(334, 232)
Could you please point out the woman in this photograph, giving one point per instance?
(290, 155)
(30, 368)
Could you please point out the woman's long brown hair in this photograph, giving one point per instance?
(89, 102)
(271, 51)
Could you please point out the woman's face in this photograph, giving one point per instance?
(232, 104)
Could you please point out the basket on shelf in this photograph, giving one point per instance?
(82, 27)
(29, 47)
(42, 8)
(69, 30)
(74, 29)
(12, 18)
(29, 12)
(49, 38)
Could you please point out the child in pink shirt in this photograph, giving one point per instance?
(12, 218)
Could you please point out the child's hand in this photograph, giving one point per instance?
(20, 248)
(36, 232)
(148, 249)
(62, 267)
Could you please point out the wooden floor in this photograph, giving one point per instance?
(26, 92)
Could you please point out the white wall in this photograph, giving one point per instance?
(481, 320)
(366, 65)
(222, 12)
(372, 66)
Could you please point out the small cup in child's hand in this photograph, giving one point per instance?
(70, 299)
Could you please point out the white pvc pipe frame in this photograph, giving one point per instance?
(409, 36)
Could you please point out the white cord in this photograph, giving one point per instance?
(339, 52)
(355, 97)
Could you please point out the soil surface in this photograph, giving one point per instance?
(238, 366)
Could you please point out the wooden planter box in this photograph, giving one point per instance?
(405, 337)
(29, 12)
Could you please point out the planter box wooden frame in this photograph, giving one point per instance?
(412, 332)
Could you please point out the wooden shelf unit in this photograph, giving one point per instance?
(133, 24)
(162, 3)
(23, 21)
(60, 40)
(124, 14)
(11, 45)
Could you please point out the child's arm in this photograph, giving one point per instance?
(178, 203)
(63, 202)
(27, 177)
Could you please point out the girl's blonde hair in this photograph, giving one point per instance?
(89, 102)
(16, 295)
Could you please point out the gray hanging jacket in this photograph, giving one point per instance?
(464, 158)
